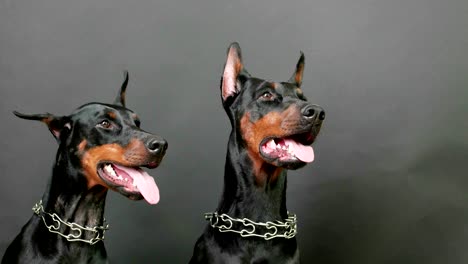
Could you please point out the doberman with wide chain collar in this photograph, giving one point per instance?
(101, 147)
(273, 126)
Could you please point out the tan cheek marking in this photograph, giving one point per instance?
(112, 153)
(254, 132)
(93, 156)
(269, 125)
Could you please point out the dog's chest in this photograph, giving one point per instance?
(256, 252)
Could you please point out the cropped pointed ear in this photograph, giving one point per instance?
(232, 69)
(296, 78)
(120, 99)
(56, 124)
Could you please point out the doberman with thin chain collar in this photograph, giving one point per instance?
(101, 147)
(273, 126)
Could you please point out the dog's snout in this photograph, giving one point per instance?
(308, 112)
(157, 146)
(313, 112)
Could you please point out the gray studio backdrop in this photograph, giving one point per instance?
(389, 183)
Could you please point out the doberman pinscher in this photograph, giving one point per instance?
(273, 126)
(101, 147)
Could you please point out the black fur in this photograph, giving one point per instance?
(247, 193)
(69, 193)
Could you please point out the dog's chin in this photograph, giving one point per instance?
(290, 164)
(135, 196)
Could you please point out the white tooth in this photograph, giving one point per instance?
(126, 179)
(109, 170)
(271, 144)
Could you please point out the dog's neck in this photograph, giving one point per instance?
(259, 196)
(72, 200)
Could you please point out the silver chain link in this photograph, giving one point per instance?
(273, 228)
(78, 229)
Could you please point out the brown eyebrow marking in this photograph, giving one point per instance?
(299, 91)
(136, 119)
(112, 115)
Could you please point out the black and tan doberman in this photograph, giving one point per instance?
(273, 127)
(101, 147)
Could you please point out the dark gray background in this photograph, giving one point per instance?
(389, 183)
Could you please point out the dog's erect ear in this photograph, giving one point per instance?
(120, 99)
(56, 124)
(296, 78)
(232, 69)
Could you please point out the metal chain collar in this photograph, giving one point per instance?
(74, 227)
(277, 229)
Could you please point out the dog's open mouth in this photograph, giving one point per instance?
(289, 149)
(132, 180)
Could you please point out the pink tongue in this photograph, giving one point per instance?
(304, 153)
(144, 182)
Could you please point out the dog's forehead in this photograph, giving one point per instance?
(94, 110)
(255, 84)
(288, 88)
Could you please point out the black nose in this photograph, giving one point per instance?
(313, 111)
(157, 146)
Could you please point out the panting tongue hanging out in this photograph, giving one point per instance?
(141, 180)
(302, 152)
(287, 149)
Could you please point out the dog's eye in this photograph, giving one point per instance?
(267, 96)
(137, 122)
(105, 124)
